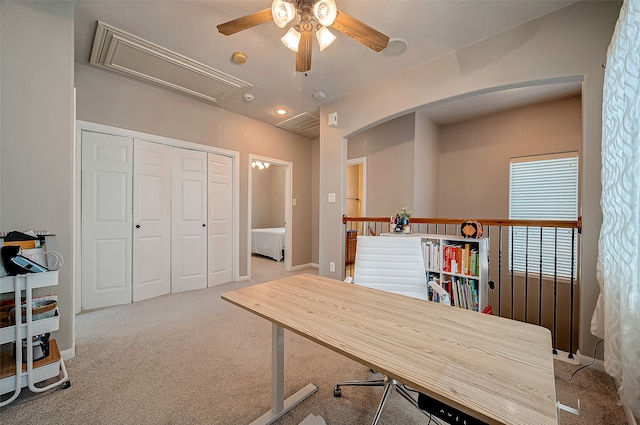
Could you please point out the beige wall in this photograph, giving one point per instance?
(110, 99)
(475, 155)
(267, 197)
(37, 133)
(389, 149)
(568, 44)
(460, 170)
(427, 167)
(402, 165)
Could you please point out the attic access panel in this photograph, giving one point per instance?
(130, 55)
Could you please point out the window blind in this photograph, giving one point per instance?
(544, 188)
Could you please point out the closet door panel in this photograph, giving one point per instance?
(220, 212)
(107, 168)
(189, 220)
(152, 220)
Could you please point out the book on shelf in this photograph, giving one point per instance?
(431, 253)
(463, 292)
(473, 260)
(460, 260)
(474, 295)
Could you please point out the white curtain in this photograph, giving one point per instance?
(616, 318)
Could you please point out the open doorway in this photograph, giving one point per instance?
(269, 233)
(356, 205)
(356, 187)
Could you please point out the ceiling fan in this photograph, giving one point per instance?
(308, 16)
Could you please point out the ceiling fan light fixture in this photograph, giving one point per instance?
(325, 37)
(291, 39)
(301, 18)
(325, 12)
(259, 165)
(283, 12)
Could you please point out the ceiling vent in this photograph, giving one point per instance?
(125, 53)
(304, 124)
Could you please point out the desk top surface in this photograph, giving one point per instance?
(497, 370)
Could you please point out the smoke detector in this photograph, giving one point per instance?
(248, 97)
(319, 95)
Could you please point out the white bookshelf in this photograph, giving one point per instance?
(459, 265)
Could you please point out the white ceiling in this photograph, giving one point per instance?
(432, 28)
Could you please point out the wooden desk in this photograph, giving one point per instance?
(497, 370)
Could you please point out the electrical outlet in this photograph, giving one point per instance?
(332, 266)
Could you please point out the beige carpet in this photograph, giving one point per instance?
(191, 358)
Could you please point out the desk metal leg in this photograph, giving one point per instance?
(280, 406)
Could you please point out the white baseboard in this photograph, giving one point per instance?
(585, 360)
(631, 419)
(579, 359)
(293, 268)
(68, 354)
(304, 266)
(564, 357)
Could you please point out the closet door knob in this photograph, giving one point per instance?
(137, 226)
(204, 225)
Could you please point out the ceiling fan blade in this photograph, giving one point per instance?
(245, 22)
(360, 31)
(303, 57)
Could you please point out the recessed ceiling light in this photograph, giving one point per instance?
(395, 47)
(281, 111)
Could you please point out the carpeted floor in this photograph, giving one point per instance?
(191, 358)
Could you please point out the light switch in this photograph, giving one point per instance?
(294, 201)
(332, 197)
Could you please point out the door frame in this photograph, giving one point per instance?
(288, 201)
(355, 161)
(102, 128)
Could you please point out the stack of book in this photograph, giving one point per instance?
(463, 292)
(460, 259)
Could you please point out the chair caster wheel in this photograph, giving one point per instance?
(337, 392)
(65, 385)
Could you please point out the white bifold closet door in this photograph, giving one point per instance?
(220, 219)
(151, 220)
(155, 219)
(107, 169)
(189, 220)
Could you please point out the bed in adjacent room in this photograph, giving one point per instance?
(268, 242)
